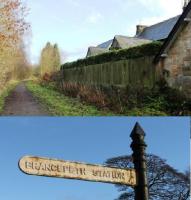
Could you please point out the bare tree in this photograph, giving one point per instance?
(164, 182)
(13, 27)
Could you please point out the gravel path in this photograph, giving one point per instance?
(21, 102)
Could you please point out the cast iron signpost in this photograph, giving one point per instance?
(135, 178)
(138, 146)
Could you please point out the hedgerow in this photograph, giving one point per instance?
(150, 49)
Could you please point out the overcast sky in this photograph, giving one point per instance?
(77, 24)
(91, 140)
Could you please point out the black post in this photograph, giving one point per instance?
(138, 146)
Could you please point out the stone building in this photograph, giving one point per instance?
(174, 59)
(173, 62)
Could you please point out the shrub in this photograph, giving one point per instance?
(132, 101)
(85, 94)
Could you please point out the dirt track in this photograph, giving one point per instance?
(21, 102)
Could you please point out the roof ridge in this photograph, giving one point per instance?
(96, 47)
(125, 36)
(133, 37)
(106, 42)
(119, 36)
(162, 21)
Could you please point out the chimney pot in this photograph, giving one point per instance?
(185, 4)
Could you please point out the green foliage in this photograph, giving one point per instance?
(145, 112)
(175, 102)
(116, 55)
(5, 93)
(50, 59)
(60, 105)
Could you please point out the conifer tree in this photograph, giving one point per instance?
(50, 59)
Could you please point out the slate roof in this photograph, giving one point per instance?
(181, 23)
(125, 42)
(106, 45)
(93, 51)
(101, 48)
(159, 31)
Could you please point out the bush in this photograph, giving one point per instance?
(150, 49)
(86, 94)
(158, 101)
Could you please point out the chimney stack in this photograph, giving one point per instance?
(140, 29)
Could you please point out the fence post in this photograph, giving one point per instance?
(138, 146)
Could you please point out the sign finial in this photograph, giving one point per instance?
(137, 130)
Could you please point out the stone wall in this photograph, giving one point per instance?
(133, 72)
(177, 66)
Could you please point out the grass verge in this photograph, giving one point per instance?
(6, 91)
(60, 105)
(84, 101)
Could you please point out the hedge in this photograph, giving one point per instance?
(116, 55)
